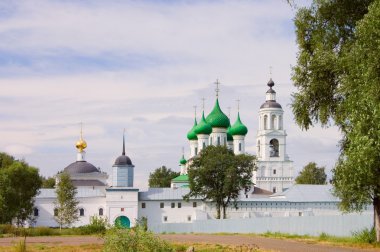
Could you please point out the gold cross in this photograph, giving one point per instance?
(238, 103)
(203, 103)
(195, 111)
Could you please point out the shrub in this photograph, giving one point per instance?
(98, 225)
(366, 235)
(135, 239)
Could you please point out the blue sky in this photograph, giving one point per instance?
(142, 66)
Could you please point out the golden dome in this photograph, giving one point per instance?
(81, 145)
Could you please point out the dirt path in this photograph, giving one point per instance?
(261, 242)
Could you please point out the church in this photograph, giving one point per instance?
(113, 196)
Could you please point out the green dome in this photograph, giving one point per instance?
(238, 129)
(229, 136)
(182, 161)
(203, 127)
(217, 119)
(191, 134)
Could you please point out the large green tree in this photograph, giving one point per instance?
(312, 174)
(19, 184)
(66, 205)
(218, 175)
(162, 177)
(338, 80)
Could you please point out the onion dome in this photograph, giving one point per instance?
(123, 159)
(229, 136)
(203, 128)
(191, 134)
(182, 161)
(270, 97)
(238, 129)
(217, 119)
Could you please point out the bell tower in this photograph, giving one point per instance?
(275, 170)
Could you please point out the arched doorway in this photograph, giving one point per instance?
(123, 222)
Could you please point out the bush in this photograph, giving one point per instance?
(366, 235)
(97, 225)
(135, 239)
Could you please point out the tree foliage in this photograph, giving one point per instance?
(338, 78)
(48, 182)
(218, 175)
(311, 174)
(161, 177)
(19, 184)
(66, 205)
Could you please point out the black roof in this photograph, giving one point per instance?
(271, 104)
(123, 160)
(81, 167)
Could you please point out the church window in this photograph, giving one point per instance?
(273, 148)
(196, 151)
(35, 211)
(258, 148)
(122, 209)
(165, 218)
(189, 218)
(265, 122)
(274, 171)
(143, 205)
(204, 145)
(274, 189)
(179, 204)
(194, 204)
(100, 211)
(55, 211)
(218, 143)
(81, 212)
(280, 122)
(239, 146)
(162, 205)
(273, 122)
(173, 205)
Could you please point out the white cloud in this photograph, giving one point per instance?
(141, 66)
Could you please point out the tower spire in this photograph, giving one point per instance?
(123, 143)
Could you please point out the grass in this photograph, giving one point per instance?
(362, 239)
(47, 248)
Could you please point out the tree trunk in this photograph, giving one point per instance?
(376, 216)
(224, 212)
(217, 210)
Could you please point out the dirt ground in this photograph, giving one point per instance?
(261, 242)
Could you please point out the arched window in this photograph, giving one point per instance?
(196, 151)
(265, 122)
(35, 211)
(273, 148)
(280, 122)
(273, 122)
(258, 148)
(81, 212)
(239, 146)
(100, 211)
(218, 143)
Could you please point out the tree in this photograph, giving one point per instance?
(19, 184)
(161, 177)
(66, 206)
(218, 175)
(48, 182)
(337, 76)
(311, 174)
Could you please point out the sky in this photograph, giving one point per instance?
(142, 66)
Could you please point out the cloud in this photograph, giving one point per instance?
(141, 66)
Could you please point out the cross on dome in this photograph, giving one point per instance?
(217, 83)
